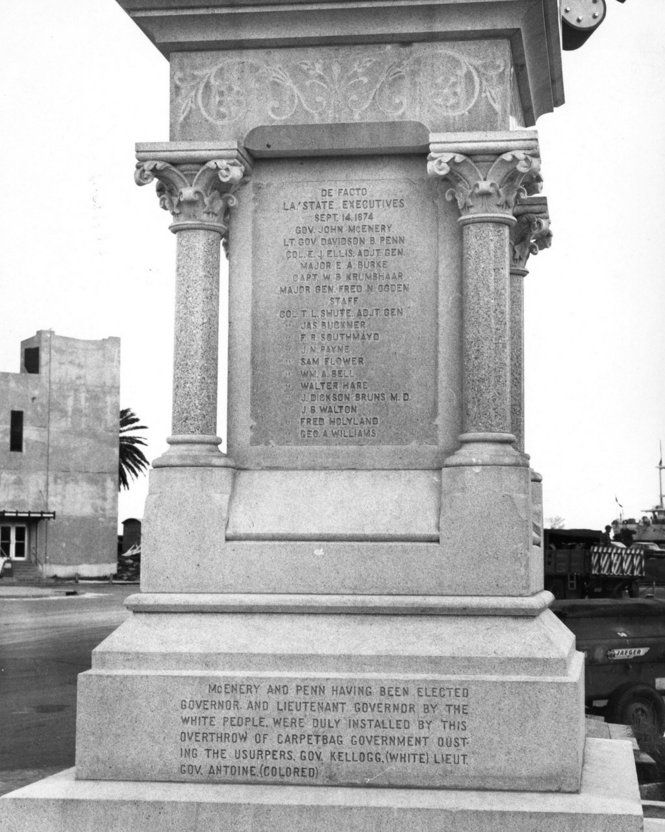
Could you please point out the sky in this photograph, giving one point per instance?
(88, 254)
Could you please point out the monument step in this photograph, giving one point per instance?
(608, 801)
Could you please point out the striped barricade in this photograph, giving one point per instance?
(610, 560)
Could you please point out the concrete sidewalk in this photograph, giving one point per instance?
(61, 588)
(35, 591)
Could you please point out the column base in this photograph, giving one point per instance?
(607, 802)
(487, 449)
(193, 451)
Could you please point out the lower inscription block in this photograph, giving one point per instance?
(446, 701)
(377, 731)
(607, 802)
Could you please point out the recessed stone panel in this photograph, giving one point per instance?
(344, 309)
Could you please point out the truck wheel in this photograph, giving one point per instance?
(639, 706)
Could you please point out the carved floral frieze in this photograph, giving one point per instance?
(428, 84)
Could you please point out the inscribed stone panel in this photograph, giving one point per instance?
(344, 308)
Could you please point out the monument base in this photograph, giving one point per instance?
(608, 801)
(395, 692)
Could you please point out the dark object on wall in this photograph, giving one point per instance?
(16, 431)
(579, 20)
(131, 533)
(31, 360)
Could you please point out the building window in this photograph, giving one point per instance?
(31, 359)
(13, 542)
(16, 431)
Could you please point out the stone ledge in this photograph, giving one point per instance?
(493, 143)
(529, 606)
(181, 153)
(608, 802)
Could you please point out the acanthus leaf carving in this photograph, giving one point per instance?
(486, 188)
(532, 232)
(460, 171)
(195, 195)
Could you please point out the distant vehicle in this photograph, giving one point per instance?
(129, 564)
(577, 565)
(624, 646)
(649, 548)
(654, 562)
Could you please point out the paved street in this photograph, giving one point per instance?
(45, 642)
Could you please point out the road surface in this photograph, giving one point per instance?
(45, 642)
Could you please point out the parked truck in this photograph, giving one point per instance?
(579, 565)
(624, 646)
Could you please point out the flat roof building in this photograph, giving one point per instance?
(59, 455)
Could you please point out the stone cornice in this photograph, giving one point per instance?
(197, 195)
(531, 232)
(486, 186)
(532, 26)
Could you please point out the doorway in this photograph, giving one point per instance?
(14, 541)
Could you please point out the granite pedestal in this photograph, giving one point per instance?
(342, 621)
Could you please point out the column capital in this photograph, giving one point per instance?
(531, 232)
(197, 193)
(486, 187)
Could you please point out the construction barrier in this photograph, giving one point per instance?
(612, 561)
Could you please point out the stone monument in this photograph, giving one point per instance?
(342, 620)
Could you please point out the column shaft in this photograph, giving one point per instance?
(517, 355)
(196, 333)
(486, 328)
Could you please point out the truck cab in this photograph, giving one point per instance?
(624, 646)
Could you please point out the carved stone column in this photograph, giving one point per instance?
(199, 195)
(529, 235)
(486, 186)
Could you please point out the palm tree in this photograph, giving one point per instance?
(131, 459)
